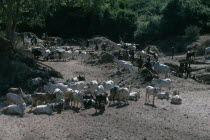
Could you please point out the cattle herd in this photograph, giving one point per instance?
(57, 53)
(79, 94)
(51, 96)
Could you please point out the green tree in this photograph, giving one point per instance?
(179, 14)
(30, 12)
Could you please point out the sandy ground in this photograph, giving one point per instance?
(136, 121)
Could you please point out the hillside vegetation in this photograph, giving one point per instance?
(141, 21)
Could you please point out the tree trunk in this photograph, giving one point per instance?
(10, 30)
(12, 20)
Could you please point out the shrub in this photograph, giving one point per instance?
(192, 33)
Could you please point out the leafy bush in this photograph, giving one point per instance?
(180, 14)
(148, 28)
(192, 33)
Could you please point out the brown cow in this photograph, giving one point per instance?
(42, 97)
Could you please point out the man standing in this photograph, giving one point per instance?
(87, 44)
(172, 52)
(132, 55)
(96, 48)
(140, 63)
(103, 46)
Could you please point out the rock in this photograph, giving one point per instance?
(147, 74)
(203, 77)
(155, 49)
(106, 58)
(101, 40)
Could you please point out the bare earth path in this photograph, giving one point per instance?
(136, 121)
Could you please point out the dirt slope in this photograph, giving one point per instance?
(136, 121)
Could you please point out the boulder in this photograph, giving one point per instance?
(106, 58)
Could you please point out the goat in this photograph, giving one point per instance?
(100, 89)
(43, 109)
(88, 101)
(108, 85)
(42, 97)
(101, 100)
(17, 91)
(14, 109)
(68, 96)
(92, 86)
(161, 68)
(162, 83)
(207, 50)
(77, 96)
(59, 94)
(151, 91)
(163, 95)
(123, 95)
(14, 98)
(113, 93)
(125, 64)
(134, 96)
(190, 54)
(77, 85)
(176, 99)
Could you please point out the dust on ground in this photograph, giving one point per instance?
(189, 121)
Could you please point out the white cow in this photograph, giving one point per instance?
(134, 96)
(163, 95)
(78, 96)
(65, 55)
(100, 89)
(76, 85)
(51, 87)
(162, 83)
(46, 54)
(125, 64)
(207, 50)
(123, 95)
(43, 109)
(13, 98)
(176, 99)
(151, 91)
(59, 94)
(92, 86)
(15, 109)
(75, 54)
(108, 85)
(161, 68)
